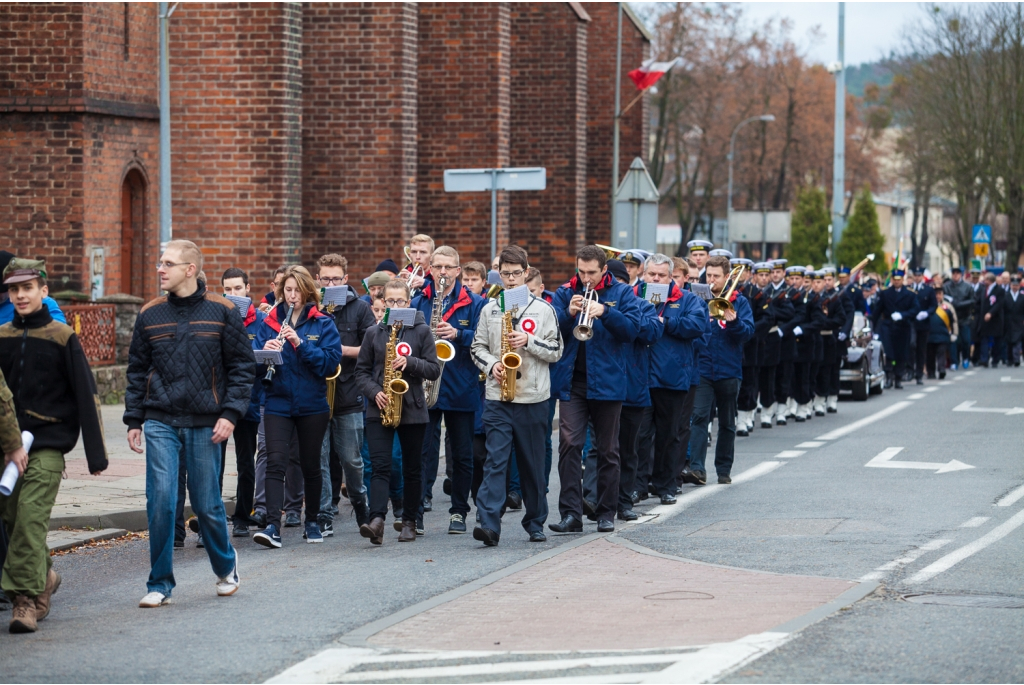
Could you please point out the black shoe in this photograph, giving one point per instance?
(668, 499)
(259, 519)
(193, 524)
(361, 510)
(569, 524)
(634, 498)
(641, 497)
(742, 432)
(427, 505)
(899, 384)
(292, 520)
(799, 419)
(240, 530)
(457, 524)
(627, 515)
(486, 536)
(888, 383)
(419, 527)
(537, 536)
(604, 526)
(514, 501)
(832, 410)
(695, 477)
(724, 480)
(942, 375)
(920, 382)
(446, 486)
(589, 509)
(179, 544)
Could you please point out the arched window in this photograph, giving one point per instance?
(133, 233)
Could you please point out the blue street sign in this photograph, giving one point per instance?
(982, 233)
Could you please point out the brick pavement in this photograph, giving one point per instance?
(603, 595)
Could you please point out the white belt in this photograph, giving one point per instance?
(826, 332)
(773, 329)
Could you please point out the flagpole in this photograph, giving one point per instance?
(618, 115)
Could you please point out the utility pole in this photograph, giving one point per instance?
(165, 128)
(615, 134)
(839, 144)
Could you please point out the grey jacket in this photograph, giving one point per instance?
(543, 347)
(961, 296)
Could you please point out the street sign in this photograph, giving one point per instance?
(636, 210)
(480, 180)
(982, 233)
(981, 250)
(977, 264)
(755, 227)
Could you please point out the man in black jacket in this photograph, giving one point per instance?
(190, 373)
(990, 320)
(927, 304)
(1013, 307)
(344, 434)
(55, 398)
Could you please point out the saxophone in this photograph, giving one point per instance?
(444, 349)
(509, 359)
(394, 386)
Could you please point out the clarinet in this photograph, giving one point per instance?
(268, 380)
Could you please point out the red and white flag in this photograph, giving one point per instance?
(649, 73)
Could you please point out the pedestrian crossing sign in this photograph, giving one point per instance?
(982, 233)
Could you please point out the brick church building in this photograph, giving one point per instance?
(299, 129)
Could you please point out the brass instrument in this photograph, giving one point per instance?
(394, 385)
(609, 251)
(509, 359)
(584, 329)
(417, 270)
(718, 306)
(268, 380)
(493, 291)
(445, 350)
(332, 382)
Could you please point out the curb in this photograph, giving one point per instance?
(133, 520)
(84, 538)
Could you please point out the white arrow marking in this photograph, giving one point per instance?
(1010, 379)
(969, 406)
(884, 461)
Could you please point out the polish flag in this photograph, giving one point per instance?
(649, 73)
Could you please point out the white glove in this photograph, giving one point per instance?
(875, 336)
(921, 316)
(798, 331)
(842, 336)
(781, 334)
(952, 338)
(896, 316)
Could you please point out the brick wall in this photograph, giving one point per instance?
(548, 128)
(463, 119)
(601, 111)
(358, 131)
(121, 52)
(236, 114)
(41, 53)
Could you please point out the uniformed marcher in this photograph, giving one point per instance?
(989, 321)
(827, 382)
(699, 254)
(779, 311)
(808, 345)
(897, 308)
(926, 303)
(785, 388)
(746, 404)
(1013, 307)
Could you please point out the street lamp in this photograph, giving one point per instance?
(732, 145)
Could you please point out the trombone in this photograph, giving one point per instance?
(718, 306)
(584, 329)
(417, 270)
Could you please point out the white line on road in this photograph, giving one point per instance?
(955, 557)
(931, 389)
(866, 421)
(969, 406)
(883, 460)
(663, 512)
(809, 444)
(715, 660)
(975, 522)
(1011, 379)
(917, 396)
(1011, 497)
(949, 382)
(789, 454)
(908, 558)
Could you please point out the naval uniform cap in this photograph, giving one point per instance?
(699, 245)
(796, 270)
(720, 253)
(763, 267)
(818, 275)
(633, 257)
(919, 271)
(779, 263)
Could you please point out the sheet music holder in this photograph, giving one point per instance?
(336, 295)
(407, 315)
(516, 298)
(242, 303)
(656, 291)
(703, 290)
(268, 356)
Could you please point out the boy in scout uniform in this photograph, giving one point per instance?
(49, 376)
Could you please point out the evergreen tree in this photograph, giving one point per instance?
(809, 232)
(862, 236)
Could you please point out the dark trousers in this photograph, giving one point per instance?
(936, 358)
(278, 432)
(963, 343)
(823, 378)
(645, 452)
(802, 382)
(552, 406)
(572, 433)
(989, 348)
(766, 385)
(479, 458)
(784, 382)
(833, 379)
(380, 440)
(630, 421)
(508, 424)
(684, 432)
(245, 464)
(747, 400)
(920, 354)
(668, 413)
(723, 393)
(459, 425)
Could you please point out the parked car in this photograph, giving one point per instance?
(862, 372)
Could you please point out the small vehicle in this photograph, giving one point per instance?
(862, 371)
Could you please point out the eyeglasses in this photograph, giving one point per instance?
(444, 268)
(512, 274)
(170, 265)
(330, 280)
(396, 303)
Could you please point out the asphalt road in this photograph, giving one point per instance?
(821, 513)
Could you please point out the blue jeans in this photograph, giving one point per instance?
(202, 461)
(345, 433)
(723, 393)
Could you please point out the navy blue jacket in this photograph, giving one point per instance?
(891, 301)
(608, 351)
(299, 387)
(253, 320)
(721, 351)
(672, 359)
(460, 377)
(638, 372)
(926, 302)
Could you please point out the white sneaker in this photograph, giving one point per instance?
(229, 585)
(154, 600)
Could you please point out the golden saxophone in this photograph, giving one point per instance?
(394, 386)
(509, 359)
(444, 349)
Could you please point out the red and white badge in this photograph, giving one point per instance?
(403, 349)
(528, 325)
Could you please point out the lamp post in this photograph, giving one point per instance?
(732, 145)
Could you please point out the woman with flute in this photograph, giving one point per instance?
(295, 402)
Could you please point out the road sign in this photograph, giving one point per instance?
(636, 210)
(977, 264)
(884, 461)
(981, 250)
(477, 180)
(982, 233)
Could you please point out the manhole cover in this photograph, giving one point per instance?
(679, 594)
(980, 601)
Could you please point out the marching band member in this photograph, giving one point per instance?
(375, 286)
(522, 421)
(589, 385)
(416, 359)
(295, 403)
(474, 277)
(633, 260)
(417, 272)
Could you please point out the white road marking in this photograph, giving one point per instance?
(917, 396)
(663, 512)
(1011, 497)
(883, 460)
(1010, 379)
(948, 382)
(956, 556)
(908, 558)
(931, 389)
(809, 444)
(713, 661)
(969, 406)
(975, 522)
(789, 454)
(866, 421)
(969, 373)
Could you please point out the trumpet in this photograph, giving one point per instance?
(268, 380)
(584, 329)
(718, 306)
